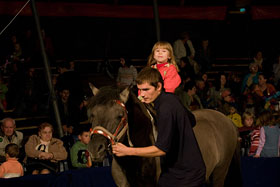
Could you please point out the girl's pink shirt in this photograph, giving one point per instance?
(170, 77)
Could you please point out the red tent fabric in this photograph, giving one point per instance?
(60, 9)
(265, 12)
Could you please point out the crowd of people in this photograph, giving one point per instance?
(251, 102)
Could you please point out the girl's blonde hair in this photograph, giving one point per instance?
(246, 115)
(162, 45)
(266, 118)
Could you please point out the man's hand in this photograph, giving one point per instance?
(120, 150)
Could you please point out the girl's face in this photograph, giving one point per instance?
(161, 55)
(46, 134)
(248, 122)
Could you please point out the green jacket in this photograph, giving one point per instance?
(185, 98)
(77, 153)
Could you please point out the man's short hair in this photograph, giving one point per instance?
(7, 119)
(149, 75)
(12, 150)
(83, 128)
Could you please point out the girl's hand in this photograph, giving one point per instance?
(257, 156)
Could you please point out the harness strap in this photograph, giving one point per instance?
(104, 132)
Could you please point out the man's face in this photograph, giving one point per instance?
(148, 92)
(64, 95)
(8, 128)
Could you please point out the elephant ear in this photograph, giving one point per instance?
(93, 89)
(125, 94)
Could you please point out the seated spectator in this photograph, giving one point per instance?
(11, 168)
(227, 103)
(70, 79)
(69, 112)
(43, 151)
(215, 92)
(234, 116)
(250, 78)
(254, 100)
(269, 136)
(80, 157)
(127, 74)
(8, 135)
(267, 89)
(3, 92)
(276, 71)
(245, 132)
(255, 138)
(188, 97)
(186, 70)
(202, 92)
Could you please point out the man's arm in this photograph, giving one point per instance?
(152, 151)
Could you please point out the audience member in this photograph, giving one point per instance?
(234, 116)
(254, 135)
(258, 59)
(31, 97)
(3, 92)
(188, 97)
(269, 136)
(80, 157)
(186, 70)
(245, 132)
(215, 92)
(205, 55)
(70, 79)
(11, 168)
(69, 112)
(267, 89)
(127, 74)
(180, 48)
(162, 58)
(8, 135)
(43, 151)
(276, 71)
(202, 92)
(250, 78)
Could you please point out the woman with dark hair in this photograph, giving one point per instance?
(43, 151)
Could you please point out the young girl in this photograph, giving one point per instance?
(254, 135)
(162, 58)
(269, 136)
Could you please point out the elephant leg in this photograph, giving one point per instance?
(119, 175)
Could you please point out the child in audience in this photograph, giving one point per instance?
(80, 157)
(254, 137)
(234, 116)
(244, 132)
(269, 136)
(162, 58)
(11, 168)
